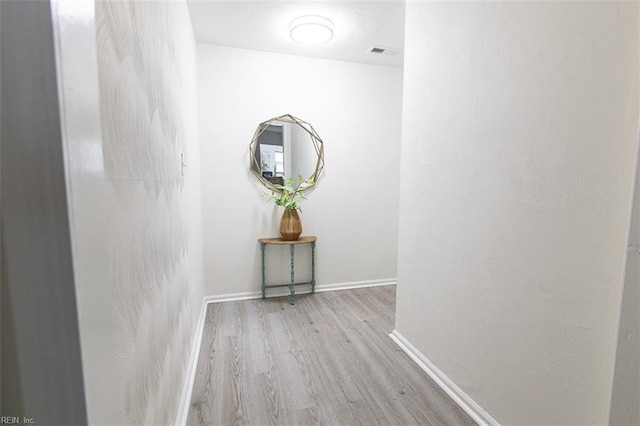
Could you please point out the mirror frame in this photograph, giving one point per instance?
(318, 145)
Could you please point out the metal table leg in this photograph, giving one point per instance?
(313, 267)
(264, 280)
(292, 295)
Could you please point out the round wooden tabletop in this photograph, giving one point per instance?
(280, 241)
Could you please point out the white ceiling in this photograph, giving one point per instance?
(264, 25)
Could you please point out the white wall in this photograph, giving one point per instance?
(519, 135)
(77, 67)
(147, 69)
(355, 108)
(625, 398)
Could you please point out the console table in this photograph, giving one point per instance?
(292, 248)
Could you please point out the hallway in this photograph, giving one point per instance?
(488, 170)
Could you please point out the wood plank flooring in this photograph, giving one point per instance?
(327, 359)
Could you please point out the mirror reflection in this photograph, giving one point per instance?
(286, 147)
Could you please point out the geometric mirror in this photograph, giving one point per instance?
(286, 147)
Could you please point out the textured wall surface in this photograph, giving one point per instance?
(146, 54)
(516, 177)
(356, 109)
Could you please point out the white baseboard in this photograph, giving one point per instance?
(354, 284)
(283, 291)
(190, 374)
(459, 397)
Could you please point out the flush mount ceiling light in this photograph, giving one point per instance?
(311, 29)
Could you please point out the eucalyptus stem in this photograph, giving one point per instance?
(286, 195)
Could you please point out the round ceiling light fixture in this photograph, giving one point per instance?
(311, 29)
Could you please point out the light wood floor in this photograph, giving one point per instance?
(326, 360)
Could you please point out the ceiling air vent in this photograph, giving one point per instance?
(381, 50)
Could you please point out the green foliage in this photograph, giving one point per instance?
(288, 195)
